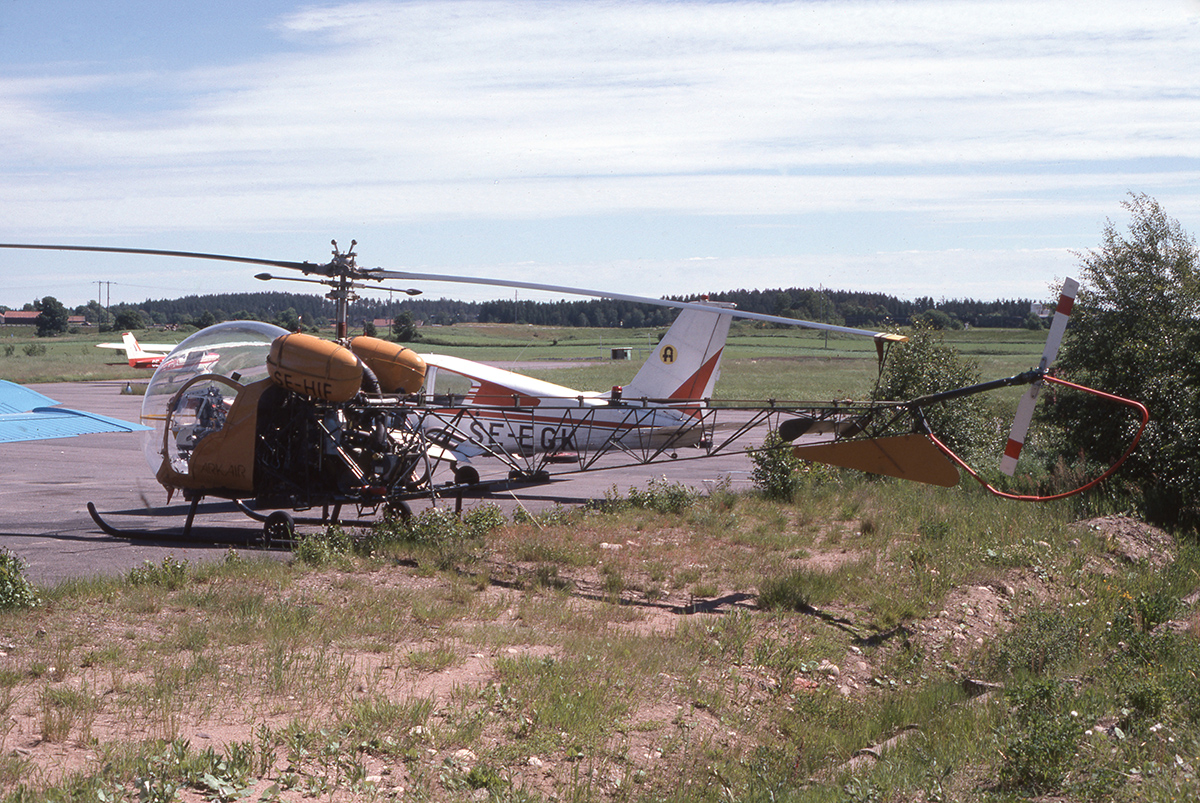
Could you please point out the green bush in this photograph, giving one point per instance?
(1038, 743)
(15, 590)
(659, 495)
(925, 365)
(663, 497)
(779, 475)
(1135, 332)
(440, 525)
(439, 532)
(324, 547)
(774, 472)
(171, 574)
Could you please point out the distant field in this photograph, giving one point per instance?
(25, 357)
(758, 364)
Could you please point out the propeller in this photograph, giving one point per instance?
(1020, 425)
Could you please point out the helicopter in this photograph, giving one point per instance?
(290, 422)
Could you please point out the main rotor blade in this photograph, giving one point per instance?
(380, 273)
(662, 302)
(304, 266)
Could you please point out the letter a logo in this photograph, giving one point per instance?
(668, 354)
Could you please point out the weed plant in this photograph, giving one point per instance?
(660, 496)
(780, 476)
(775, 469)
(171, 574)
(1039, 740)
(15, 588)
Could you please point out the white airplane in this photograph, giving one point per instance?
(480, 410)
(140, 355)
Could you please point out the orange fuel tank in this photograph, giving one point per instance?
(399, 368)
(314, 367)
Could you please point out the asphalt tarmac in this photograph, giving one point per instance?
(45, 487)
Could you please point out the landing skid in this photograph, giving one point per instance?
(325, 518)
(279, 526)
(211, 535)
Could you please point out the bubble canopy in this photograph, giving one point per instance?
(234, 350)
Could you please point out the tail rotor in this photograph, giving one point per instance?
(1020, 425)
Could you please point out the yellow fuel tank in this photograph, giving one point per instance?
(399, 368)
(314, 367)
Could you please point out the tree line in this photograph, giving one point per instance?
(841, 307)
(294, 310)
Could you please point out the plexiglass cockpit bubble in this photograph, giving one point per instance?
(235, 350)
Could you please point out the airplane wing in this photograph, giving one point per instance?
(26, 415)
(149, 348)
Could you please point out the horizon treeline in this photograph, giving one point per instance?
(848, 308)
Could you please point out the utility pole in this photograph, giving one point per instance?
(101, 304)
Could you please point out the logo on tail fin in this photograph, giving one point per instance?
(687, 363)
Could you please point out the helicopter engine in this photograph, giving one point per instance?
(309, 450)
(326, 431)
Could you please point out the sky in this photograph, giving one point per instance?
(920, 148)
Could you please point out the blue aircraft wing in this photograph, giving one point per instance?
(26, 415)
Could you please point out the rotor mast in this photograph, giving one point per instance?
(340, 270)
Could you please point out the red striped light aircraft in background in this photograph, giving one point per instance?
(140, 355)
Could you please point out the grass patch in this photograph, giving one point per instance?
(559, 659)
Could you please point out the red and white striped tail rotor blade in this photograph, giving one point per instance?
(1059, 324)
(1020, 425)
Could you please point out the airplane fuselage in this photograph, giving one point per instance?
(558, 428)
(503, 412)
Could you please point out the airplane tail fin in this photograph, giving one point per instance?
(687, 362)
(132, 349)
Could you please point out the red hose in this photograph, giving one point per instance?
(1026, 498)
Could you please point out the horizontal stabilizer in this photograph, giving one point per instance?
(909, 457)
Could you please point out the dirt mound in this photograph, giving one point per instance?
(1126, 540)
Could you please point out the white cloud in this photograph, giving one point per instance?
(382, 114)
(454, 90)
